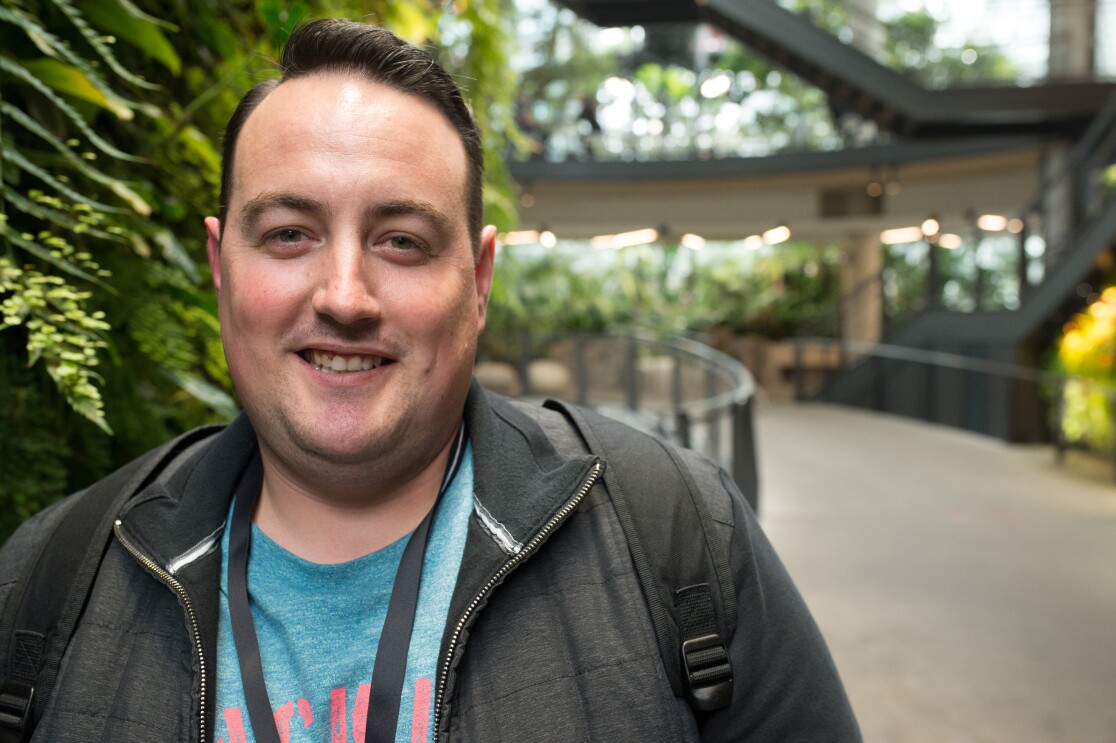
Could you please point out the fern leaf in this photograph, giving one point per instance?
(9, 65)
(42, 253)
(17, 159)
(59, 49)
(55, 217)
(119, 187)
(94, 40)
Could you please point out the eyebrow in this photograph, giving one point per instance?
(251, 212)
(441, 221)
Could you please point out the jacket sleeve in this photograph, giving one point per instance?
(786, 686)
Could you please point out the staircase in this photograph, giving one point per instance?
(989, 404)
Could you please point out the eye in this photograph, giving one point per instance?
(288, 241)
(403, 248)
(289, 235)
(402, 242)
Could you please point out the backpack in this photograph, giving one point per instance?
(43, 608)
(688, 587)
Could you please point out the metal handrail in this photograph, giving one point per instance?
(1057, 381)
(727, 394)
(744, 385)
(955, 361)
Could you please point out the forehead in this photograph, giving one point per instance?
(353, 133)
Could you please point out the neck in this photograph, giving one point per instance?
(339, 525)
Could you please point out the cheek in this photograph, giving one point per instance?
(442, 312)
(257, 296)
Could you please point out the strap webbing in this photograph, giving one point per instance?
(685, 579)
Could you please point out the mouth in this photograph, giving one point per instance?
(339, 363)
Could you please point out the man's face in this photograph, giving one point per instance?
(349, 298)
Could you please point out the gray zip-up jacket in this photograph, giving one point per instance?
(548, 637)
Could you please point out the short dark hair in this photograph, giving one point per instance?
(336, 45)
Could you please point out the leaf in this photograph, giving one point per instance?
(54, 216)
(139, 31)
(118, 187)
(46, 42)
(211, 395)
(96, 140)
(23, 163)
(175, 254)
(42, 253)
(280, 18)
(410, 22)
(135, 12)
(94, 40)
(56, 48)
(71, 81)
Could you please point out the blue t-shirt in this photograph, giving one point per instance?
(319, 626)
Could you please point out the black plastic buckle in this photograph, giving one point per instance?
(708, 672)
(16, 698)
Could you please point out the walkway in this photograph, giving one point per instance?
(967, 588)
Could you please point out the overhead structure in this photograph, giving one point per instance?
(854, 82)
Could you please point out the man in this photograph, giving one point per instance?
(269, 589)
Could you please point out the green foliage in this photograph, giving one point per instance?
(774, 292)
(100, 174)
(911, 46)
(1086, 353)
(645, 98)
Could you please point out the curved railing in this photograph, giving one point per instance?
(913, 381)
(675, 388)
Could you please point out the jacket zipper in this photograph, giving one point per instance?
(507, 567)
(178, 588)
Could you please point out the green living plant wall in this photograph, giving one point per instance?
(110, 122)
(774, 292)
(1086, 352)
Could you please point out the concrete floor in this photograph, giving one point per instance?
(967, 588)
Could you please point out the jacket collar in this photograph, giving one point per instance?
(520, 481)
(172, 520)
(520, 478)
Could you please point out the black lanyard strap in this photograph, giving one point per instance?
(390, 666)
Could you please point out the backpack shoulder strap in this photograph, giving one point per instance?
(42, 611)
(680, 561)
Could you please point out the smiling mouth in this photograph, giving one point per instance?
(337, 363)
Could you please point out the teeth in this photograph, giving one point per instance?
(335, 363)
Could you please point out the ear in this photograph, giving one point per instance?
(213, 248)
(483, 272)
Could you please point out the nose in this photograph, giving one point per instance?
(345, 291)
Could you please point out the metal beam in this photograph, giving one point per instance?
(857, 83)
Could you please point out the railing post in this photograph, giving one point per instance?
(878, 382)
(682, 422)
(581, 372)
(1059, 414)
(525, 361)
(931, 391)
(1109, 398)
(633, 374)
(744, 464)
(933, 277)
(676, 379)
(712, 417)
(978, 289)
(799, 382)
